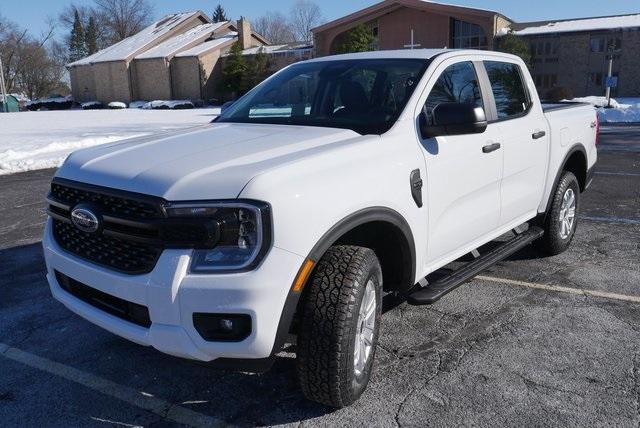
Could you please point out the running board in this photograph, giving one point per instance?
(436, 290)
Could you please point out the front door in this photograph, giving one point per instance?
(462, 177)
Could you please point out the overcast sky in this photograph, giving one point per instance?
(33, 14)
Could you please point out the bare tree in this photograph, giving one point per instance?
(305, 15)
(124, 18)
(30, 64)
(275, 27)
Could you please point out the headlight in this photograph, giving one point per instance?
(242, 237)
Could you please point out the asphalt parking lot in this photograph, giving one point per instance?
(533, 341)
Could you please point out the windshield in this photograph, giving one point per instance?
(365, 95)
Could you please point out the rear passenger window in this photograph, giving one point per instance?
(509, 91)
(458, 83)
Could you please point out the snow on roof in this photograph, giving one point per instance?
(175, 44)
(208, 45)
(136, 43)
(586, 24)
(271, 49)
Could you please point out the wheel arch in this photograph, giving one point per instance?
(353, 230)
(574, 161)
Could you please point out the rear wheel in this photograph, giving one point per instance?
(562, 219)
(339, 326)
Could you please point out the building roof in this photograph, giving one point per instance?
(209, 45)
(271, 49)
(139, 42)
(388, 5)
(174, 45)
(577, 25)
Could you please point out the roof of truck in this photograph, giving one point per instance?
(408, 54)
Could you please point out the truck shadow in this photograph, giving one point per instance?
(34, 322)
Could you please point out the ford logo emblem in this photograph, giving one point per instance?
(85, 220)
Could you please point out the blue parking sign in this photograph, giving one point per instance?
(612, 82)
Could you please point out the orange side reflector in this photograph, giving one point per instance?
(303, 274)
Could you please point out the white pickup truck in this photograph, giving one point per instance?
(333, 183)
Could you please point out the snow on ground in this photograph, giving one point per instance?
(623, 110)
(43, 139)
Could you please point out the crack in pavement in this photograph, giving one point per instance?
(415, 389)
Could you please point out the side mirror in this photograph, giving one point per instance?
(453, 119)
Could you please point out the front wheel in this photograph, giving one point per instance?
(339, 326)
(562, 218)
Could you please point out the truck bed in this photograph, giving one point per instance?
(560, 105)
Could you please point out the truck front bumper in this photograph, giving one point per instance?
(172, 295)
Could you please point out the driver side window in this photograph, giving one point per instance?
(458, 83)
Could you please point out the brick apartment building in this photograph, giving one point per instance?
(178, 57)
(575, 53)
(567, 53)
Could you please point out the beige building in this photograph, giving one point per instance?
(398, 24)
(174, 58)
(106, 75)
(574, 54)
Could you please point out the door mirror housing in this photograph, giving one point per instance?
(453, 119)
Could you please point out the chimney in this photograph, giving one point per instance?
(244, 32)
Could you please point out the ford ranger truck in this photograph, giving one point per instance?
(333, 183)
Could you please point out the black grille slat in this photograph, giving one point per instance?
(114, 205)
(123, 309)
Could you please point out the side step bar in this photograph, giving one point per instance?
(436, 290)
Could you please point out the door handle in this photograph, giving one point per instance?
(491, 148)
(538, 135)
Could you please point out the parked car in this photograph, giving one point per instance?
(334, 182)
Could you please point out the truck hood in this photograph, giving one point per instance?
(214, 161)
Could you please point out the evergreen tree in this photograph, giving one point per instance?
(513, 44)
(234, 72)
(219, 14)
(91, 37)
(258, 69)
(77, 48)
(359, 39)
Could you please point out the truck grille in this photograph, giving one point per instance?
(112, 252)
(129, 241)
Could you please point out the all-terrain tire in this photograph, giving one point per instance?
(329, 325)
(553, 242)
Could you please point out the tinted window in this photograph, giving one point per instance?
(508, 88)
(457, 84)
(365, 95)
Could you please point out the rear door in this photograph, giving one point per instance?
(462, 183)
(525, 140)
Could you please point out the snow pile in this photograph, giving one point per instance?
(623, 110)
(51, 103)
(138, 104)
(91, 105)
(36, 140)
(117, 105)
(168, 105)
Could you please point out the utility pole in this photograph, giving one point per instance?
(3, 90)
(610, 73)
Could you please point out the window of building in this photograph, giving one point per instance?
(597, 44)
(465, 35)
(614, 44)
(596, 79)
(538, 81)
(540, 48)
(547, 48)
(458, 83)
(509, 91)
(555, 48)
